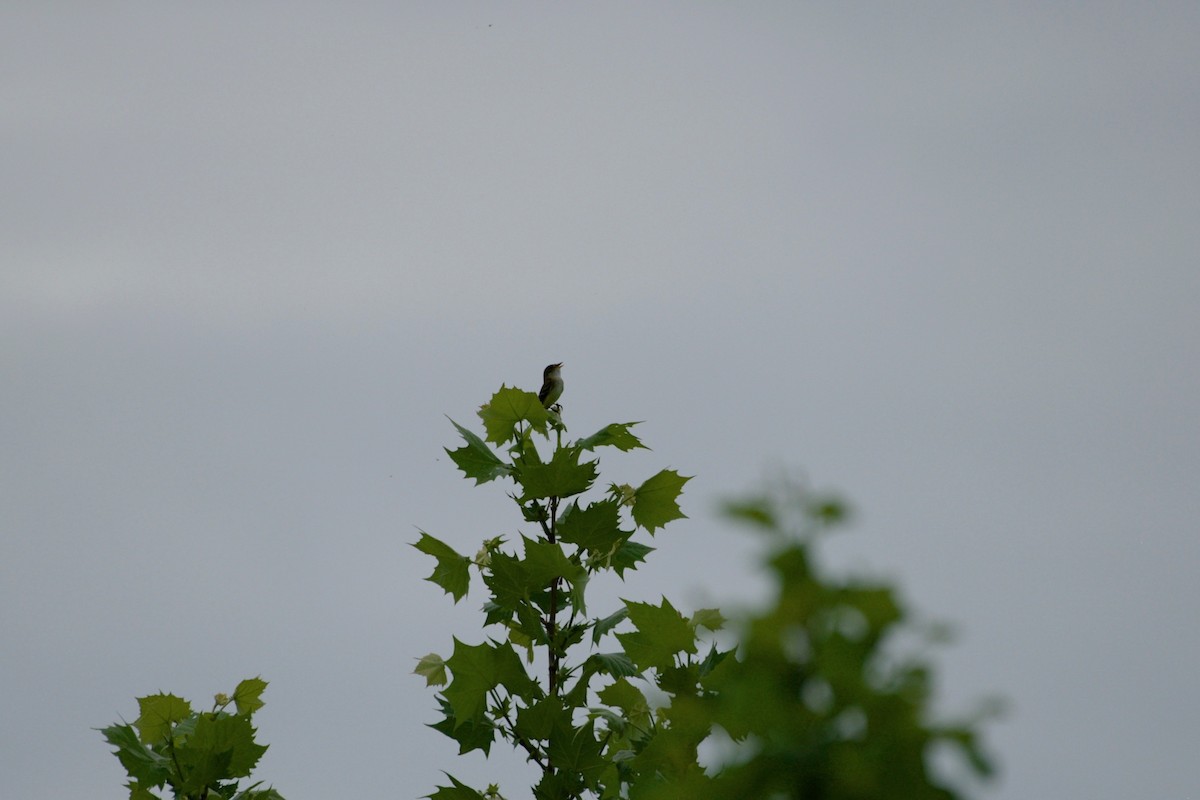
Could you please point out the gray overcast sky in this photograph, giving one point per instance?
(940, 257)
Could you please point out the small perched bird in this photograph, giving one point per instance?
(552, 385)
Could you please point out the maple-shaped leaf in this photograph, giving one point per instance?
(603, 626)
(615, 435)
(624, 695)
(476, 459)
(433, 668)
(139, 792)
(540, 719)
(451, 572)
(596, 527)
(477, 669)
(545, 561)
(222, 746)
(559, 784)
(508, 579)
(662, 632)
(576, 749)
(249, 794)
(145, 766)
(655, 501)
(617, 664)
(507, 409)
(159, 714)
(712, 660)
(562, 476)
(628, 556)
(472, 734)
(247, 695)
(459, 791)
(710, 618)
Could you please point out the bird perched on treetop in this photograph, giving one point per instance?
(552, 385)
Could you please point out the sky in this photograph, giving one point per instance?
(939, 259)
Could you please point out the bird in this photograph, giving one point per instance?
(552, 385)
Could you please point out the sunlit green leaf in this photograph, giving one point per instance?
(656, 501)
(433, 668)
(145, 766)
(451, 572)
(476, 459)
(159, 714)
(508, 408)
(615, 435)
(247, 696)
(629, 555)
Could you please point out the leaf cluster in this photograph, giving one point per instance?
(196, 754)
(812, 703)
(586, 720)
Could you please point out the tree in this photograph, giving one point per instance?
(199, 755)
(811, 701)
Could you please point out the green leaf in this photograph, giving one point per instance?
(221, 747)
(246, 695)
(628, 556)
(538, 720)
(624, 695)
(562, 476)
(476, 459)
(576, 750)
(661, 633)
(451, 571)
(710, 618)
(139, 792)
(712, 660)
(459, 791)
(508, 579)
(655, 502)
(507, 409)
(578, 598)
(545, 561)
(479, 668)
(145, 766)
(473, 668)
(433, 668)
(616, 664)
(472, 734)
(510, 673)
(159, 714)
(258, 794)
(605, 625)
(615, 435)
(596, 528)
